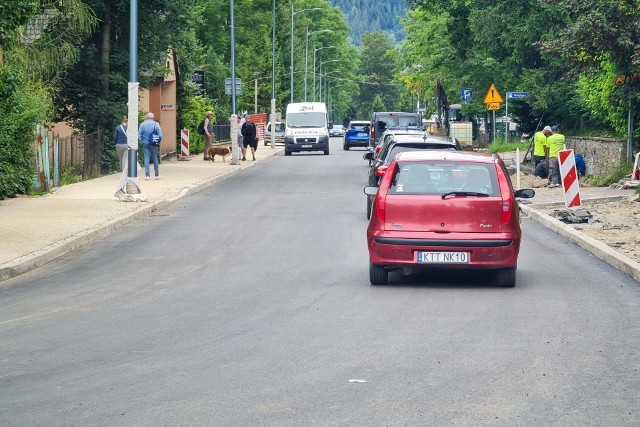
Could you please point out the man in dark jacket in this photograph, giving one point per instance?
(120, 139)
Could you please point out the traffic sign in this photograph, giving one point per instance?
(227, 86)
(493, 96)
(493, 106)
(466, 94)
(517, 95)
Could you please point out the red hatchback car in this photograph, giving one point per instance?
(445, 209)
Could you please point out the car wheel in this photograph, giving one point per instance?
(287, 152)
(369, 206)
(378, 275)
(506, 277)
(326, 152)
(265, 143)
(345, 146)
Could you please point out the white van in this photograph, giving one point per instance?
(306, 128)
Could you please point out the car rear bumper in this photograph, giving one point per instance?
(485, 250)
(354, 142)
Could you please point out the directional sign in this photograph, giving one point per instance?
(493, 106)
(228, 84)
(493, 96)
(517, 95)
(466, 94)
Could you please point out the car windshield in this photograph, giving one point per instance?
(445, 177)
(279, 127)
(394, 149)
(306, 120)
(395, 120)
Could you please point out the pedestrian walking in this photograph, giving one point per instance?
(241, 121)
(208, 133)
(555, 143)
(249, 139)
(539, 144)
(150, 134)
(120, 139)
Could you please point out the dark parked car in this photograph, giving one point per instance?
(440, 209)
(357, 134)
(399, 143)
(381, 121)
(392, 134)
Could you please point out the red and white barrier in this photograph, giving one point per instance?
(184, 143)
(569, 178)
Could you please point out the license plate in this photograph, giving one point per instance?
(306, 146)
(443, 257)
(362, 134)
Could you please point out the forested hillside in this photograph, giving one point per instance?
(365, 16)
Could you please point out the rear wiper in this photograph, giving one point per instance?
(464, 193)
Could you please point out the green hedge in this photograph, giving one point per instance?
(22, 106)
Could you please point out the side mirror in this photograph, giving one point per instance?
(368, 155)
(330, 125)
(525, 193)
(370, 190)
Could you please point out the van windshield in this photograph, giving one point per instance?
(306, 120)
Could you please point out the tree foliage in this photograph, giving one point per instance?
(369, 16)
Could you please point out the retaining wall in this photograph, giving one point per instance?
(600, 154)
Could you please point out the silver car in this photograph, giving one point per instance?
(279, 133)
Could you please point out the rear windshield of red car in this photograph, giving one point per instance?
(444, 177)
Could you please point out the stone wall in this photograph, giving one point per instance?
(600, 154)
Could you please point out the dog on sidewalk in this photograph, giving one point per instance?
(220, 151)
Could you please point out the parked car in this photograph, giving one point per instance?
(337, 130)
(440, 209)
(392, 133)
(357, 134)
(279, 133)
(398, 143)
(381, 121)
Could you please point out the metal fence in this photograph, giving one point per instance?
(222, 130)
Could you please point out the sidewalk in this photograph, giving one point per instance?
(39, 229)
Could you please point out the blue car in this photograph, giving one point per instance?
(357, 134)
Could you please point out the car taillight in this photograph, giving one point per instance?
(373, 133)
(378, 149)
(505, 194)
(381, 171)
(381, 197)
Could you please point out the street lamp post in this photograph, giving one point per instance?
(324, 62)
(314, 67)
(293, 13)
(273, 74)
(306, 57)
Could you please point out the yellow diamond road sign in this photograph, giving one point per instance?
(493, 106)
(493, 96)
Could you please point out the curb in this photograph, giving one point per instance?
(595, 247)
(64, 247)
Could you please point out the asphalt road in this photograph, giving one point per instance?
(249, 304)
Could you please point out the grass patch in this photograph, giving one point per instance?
(70, 175)
(502, 147)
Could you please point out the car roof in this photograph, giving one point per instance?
(359, 122)
(445, 155)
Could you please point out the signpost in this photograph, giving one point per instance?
(512, 95)
(492, 100)
(228, 84)
(466, 94)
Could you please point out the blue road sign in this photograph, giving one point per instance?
(467, 94)
(517, 95)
